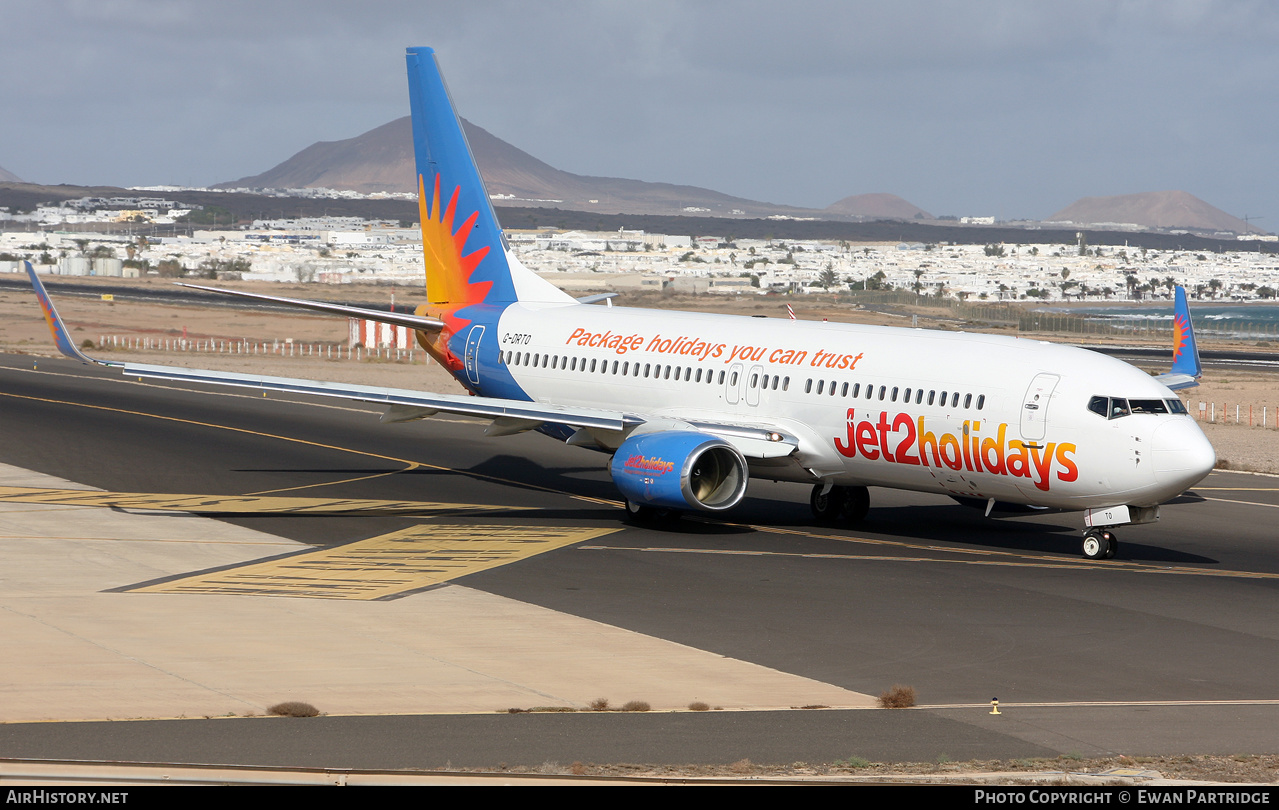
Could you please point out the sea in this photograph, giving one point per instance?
(1223, 320)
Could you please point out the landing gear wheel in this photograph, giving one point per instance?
(1099, 544)
(856, 505)
(643, 514)
(828, 506)
(639, 513)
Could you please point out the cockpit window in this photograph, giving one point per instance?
(1115, 407)
(1148, 406)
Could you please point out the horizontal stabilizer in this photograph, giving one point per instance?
(396, 318)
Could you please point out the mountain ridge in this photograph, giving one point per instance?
(381, 160)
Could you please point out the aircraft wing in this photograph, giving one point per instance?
(405, 404)
(1176, 382)
(508, 415)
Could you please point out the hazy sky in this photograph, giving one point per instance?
(1012, 109)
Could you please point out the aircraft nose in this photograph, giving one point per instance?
(1181, 454)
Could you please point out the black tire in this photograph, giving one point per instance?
(856, 505)
(639, 513)
(1111, 546)
(1096, 544)
(827, 507)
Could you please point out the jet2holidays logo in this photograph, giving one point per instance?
(904, 439)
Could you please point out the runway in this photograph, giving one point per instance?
(1169, 648)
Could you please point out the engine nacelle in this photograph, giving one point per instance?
(680, 469)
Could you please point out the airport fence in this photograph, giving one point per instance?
(1264, 416)
(277, 348)
(1155, 330)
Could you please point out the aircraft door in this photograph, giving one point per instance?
(472, 358)
(1034, 407)
(754, 381)
(733, 384)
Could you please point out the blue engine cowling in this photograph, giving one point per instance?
(680, 469)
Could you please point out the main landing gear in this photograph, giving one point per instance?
(642, 513)
(840, 504)
(1099, 544)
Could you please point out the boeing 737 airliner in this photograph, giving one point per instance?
(691, 406)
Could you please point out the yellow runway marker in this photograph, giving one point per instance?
(236, 504)
(384, 566)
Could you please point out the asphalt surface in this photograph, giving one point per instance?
(925, 593)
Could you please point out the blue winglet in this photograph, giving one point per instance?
(61, 338)
(1185, 352)
(1186, 369)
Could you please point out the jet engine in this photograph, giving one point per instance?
(680, 469)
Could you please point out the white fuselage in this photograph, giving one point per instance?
(970, 415)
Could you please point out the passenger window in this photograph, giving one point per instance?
(883, 391)
(820, 385)
(954, 400)
(906, 396)
(932, 395)
(721, 378)
(894, 393)
(843, 390)
(919, 396)
(733, 379)
(857, 389)
(754, 380)
(968, 401)
(981, 402)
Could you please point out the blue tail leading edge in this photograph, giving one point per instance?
(471, 275)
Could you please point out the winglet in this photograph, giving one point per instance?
(61, 338)
(1186, 368)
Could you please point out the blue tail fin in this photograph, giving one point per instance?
(466, 255)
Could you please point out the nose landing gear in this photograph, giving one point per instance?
(1099, 544)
